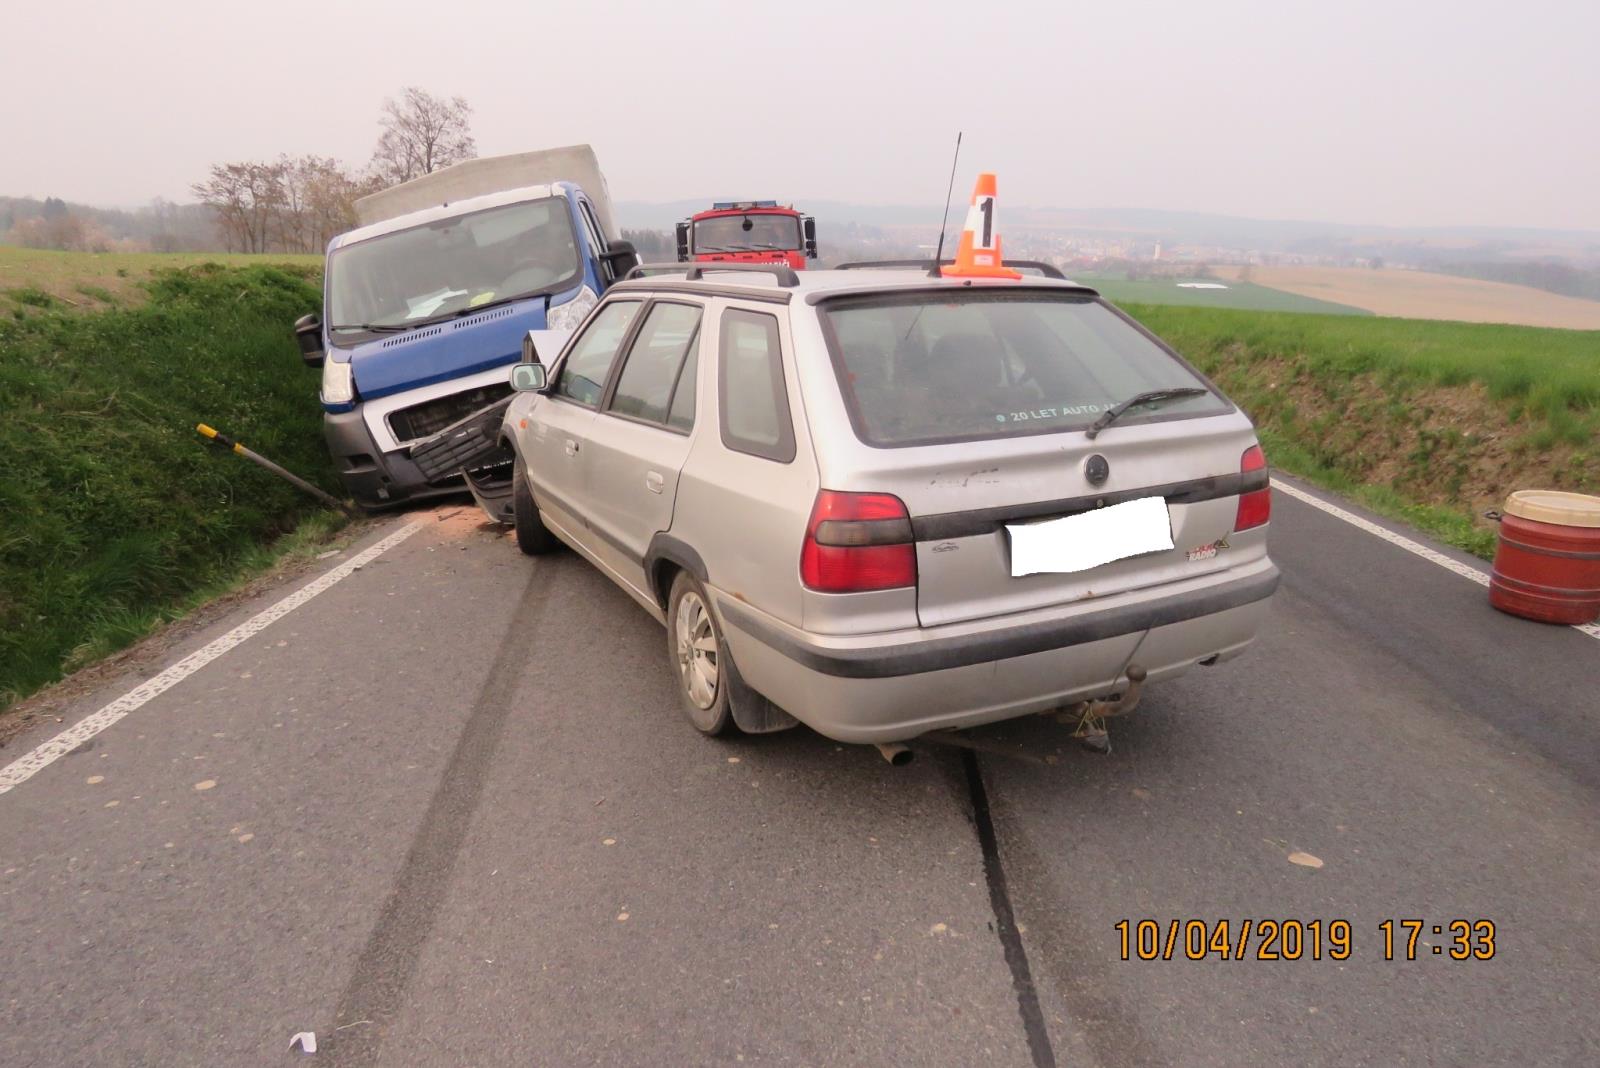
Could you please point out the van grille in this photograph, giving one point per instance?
(430, 417)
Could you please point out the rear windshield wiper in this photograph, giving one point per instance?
(375, 328)
(1154, 396)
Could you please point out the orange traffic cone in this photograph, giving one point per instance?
(978, 254)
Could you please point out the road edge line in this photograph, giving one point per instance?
(36, 760)
(1433, 556)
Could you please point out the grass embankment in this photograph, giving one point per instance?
(1431, 422)
(32, 279)
(113, 516)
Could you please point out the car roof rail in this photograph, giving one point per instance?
(1049, 270)
(694, 272)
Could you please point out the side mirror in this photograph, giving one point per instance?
(809, 227)
(527, 377)
(683, 242)
(621, 257)
(308, 335)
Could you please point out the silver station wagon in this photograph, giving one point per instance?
(884, 503)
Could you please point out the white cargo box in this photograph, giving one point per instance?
(492, 174)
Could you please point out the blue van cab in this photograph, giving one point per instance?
(422, 313)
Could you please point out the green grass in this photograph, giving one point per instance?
(1421, 421)
(1451, 525)
(1241, 295)
(115, 515)
(90, 280)
(1552, 374)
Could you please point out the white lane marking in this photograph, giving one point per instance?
(30, 764)
(1466, 571)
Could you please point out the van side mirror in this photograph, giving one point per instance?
(809, 227)
(308, 335)
(621, 257)
(527, 377)
(683, 242)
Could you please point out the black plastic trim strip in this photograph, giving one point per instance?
(665, 547)
(987, 520)
(940, 654)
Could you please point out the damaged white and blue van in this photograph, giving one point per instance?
(426, 304)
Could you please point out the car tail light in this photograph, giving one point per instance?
(1255, 505)
(858, 541)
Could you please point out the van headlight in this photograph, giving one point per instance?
(567, 316)
(338, 382)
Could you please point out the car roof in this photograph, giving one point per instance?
(813, 286)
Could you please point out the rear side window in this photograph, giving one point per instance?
(584, 372)
(645, 389)
(754, 401)
(929, 367)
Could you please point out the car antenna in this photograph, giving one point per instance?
(933, 271)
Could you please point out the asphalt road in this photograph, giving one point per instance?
(445, 813)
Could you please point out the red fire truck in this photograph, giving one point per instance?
(748, 231)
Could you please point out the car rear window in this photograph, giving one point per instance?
(928, 367)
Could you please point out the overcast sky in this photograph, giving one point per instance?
(1402, 112)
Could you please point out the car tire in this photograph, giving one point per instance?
(533, 537)
(695, 644)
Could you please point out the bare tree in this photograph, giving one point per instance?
(247, 198)
(421, 133)
(327, 194)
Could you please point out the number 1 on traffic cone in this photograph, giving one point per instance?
(978, 253)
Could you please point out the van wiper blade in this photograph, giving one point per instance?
(1154, 396)
(375, 328)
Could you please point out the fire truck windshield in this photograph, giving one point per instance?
(746, 233)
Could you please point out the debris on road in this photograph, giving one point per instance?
(1305, 860)
(306, 1040)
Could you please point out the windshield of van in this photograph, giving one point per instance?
(439, 269)
(746, 233)
(928, 367)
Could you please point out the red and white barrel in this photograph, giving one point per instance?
(1547, 565)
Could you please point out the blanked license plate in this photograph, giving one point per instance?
(1080, 542)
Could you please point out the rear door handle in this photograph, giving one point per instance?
(653, 481)
(572, 447)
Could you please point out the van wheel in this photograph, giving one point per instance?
(694, 641)
(533, 538)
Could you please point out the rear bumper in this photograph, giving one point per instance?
(888, 687)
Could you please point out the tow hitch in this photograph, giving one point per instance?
(1088, 718)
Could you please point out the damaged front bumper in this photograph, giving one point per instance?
(472, 447)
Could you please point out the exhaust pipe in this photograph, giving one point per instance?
(895, 753)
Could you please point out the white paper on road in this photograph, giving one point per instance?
(307, 1041)
(1081, 542)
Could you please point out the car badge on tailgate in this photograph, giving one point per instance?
(1096, 469)
(1206, 552)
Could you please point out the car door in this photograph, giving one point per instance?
(553, 442)
(639, 440)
